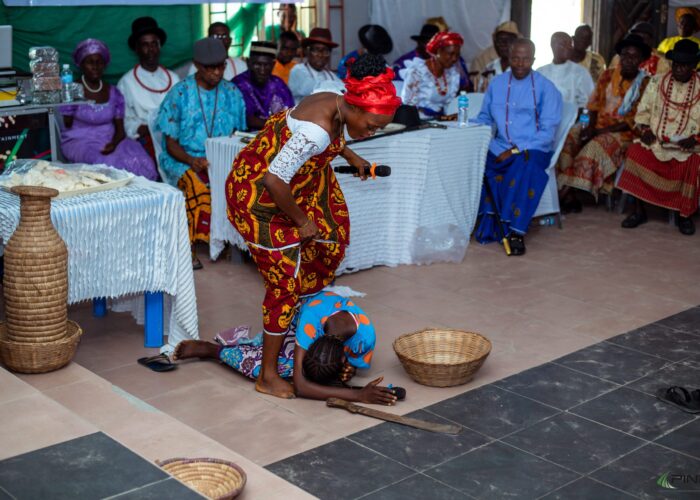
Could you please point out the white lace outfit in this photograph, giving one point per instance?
(420, 89)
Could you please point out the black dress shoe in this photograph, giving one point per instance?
(517, 245)
(572, 207)
(686, 226)
(634, 220)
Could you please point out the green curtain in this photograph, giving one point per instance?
(243, 25)
(64, 27)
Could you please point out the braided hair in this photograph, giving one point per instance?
(324, 360)
(368, 65)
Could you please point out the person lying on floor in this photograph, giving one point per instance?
(332, 338)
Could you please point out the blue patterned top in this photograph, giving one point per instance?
(180, 117)
(314, 313)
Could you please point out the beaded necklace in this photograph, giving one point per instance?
(155, 91)
(213, 115)
(691, 98)
(534, 100)
(440, 90)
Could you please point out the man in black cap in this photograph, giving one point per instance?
(373, 39)
(664, 169)
(656, 62)
(427, 32)
(234, 65)
(201, 106)
(145, 86)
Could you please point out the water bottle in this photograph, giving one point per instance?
(66, 84)
(463, 109)
(584, 119)
(549, 220)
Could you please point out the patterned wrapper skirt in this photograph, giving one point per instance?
(195, 187)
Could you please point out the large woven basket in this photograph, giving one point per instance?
(39, 357)
(442, 357)
(215, 479)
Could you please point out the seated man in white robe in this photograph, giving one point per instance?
(313, 73)
(570, 78)
(145, 85)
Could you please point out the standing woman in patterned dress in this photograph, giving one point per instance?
(285, 201)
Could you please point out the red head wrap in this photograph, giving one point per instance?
(375, 94)
(443, 39)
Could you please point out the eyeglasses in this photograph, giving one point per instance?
(211, 68)
(220, 36)
(320, 50)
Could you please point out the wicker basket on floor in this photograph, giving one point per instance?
(442, 357)
(215, 479)
(39, 357)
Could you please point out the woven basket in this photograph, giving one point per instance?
(39, 357)
(215, 479)
(442, 357)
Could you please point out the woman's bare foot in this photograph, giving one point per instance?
(274, 386)
(196, 349)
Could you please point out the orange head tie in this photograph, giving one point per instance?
(373, 171)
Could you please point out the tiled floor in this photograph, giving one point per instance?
(89, 467)
(582, 426)
(574, 288)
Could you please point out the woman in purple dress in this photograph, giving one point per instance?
(94, 133)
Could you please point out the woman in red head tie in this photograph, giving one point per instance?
(431, 84)
(285, 201)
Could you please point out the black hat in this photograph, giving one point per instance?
(263, 49)
(427, 32)
(407, 115)
(209, 51)
(634, 41)
(375, 39)
(685, 51)
(144, 26)
(642, 27)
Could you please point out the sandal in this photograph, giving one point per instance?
(681, 398)
(686, 226)
(634, 220)
(517, 244)
(159, 363)
(196, 264)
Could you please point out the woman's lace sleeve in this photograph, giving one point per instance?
(307, 141)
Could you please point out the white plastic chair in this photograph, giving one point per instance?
(157, 138)
(549, 203)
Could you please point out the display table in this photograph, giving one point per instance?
(424, 212)
(122, 243)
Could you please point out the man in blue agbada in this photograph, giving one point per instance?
(524, 108)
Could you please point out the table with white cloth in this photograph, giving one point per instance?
(123, 243)
(423, 212)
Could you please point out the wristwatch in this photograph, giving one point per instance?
(514, 150)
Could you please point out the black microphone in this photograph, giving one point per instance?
(379, 170)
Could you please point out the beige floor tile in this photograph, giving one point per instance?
(34, 422)
(12, 388)
(69, 374)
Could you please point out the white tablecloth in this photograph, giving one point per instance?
(424, 212)
(123, 242)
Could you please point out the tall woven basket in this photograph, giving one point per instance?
(35, 282)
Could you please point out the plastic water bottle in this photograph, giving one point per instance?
(584, 119)
(463, 109)
(66, 84)
(549, 220)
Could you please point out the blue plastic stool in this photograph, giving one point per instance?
(153, 327)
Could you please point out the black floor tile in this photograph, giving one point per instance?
(573, 442)
(639, 473)
(340, 470)
(685, 374)
(499, 471)
(556, 385)
(659, 340)
(686, 321)
(587, 489)
(633, 412)
(492, 411)
(685, 439)
(93, 466)
(415, 448)
(418, 486)
(5, 495)
(169, 489)
(611, 362)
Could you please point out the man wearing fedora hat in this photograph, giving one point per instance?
(427, 32)
(664, 168)
(489, 54)
(146, 84)
(656, 62)
(309, 75)
(374, 39)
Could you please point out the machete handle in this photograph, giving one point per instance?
(341, 403)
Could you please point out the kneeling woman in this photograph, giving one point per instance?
(334, 338)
